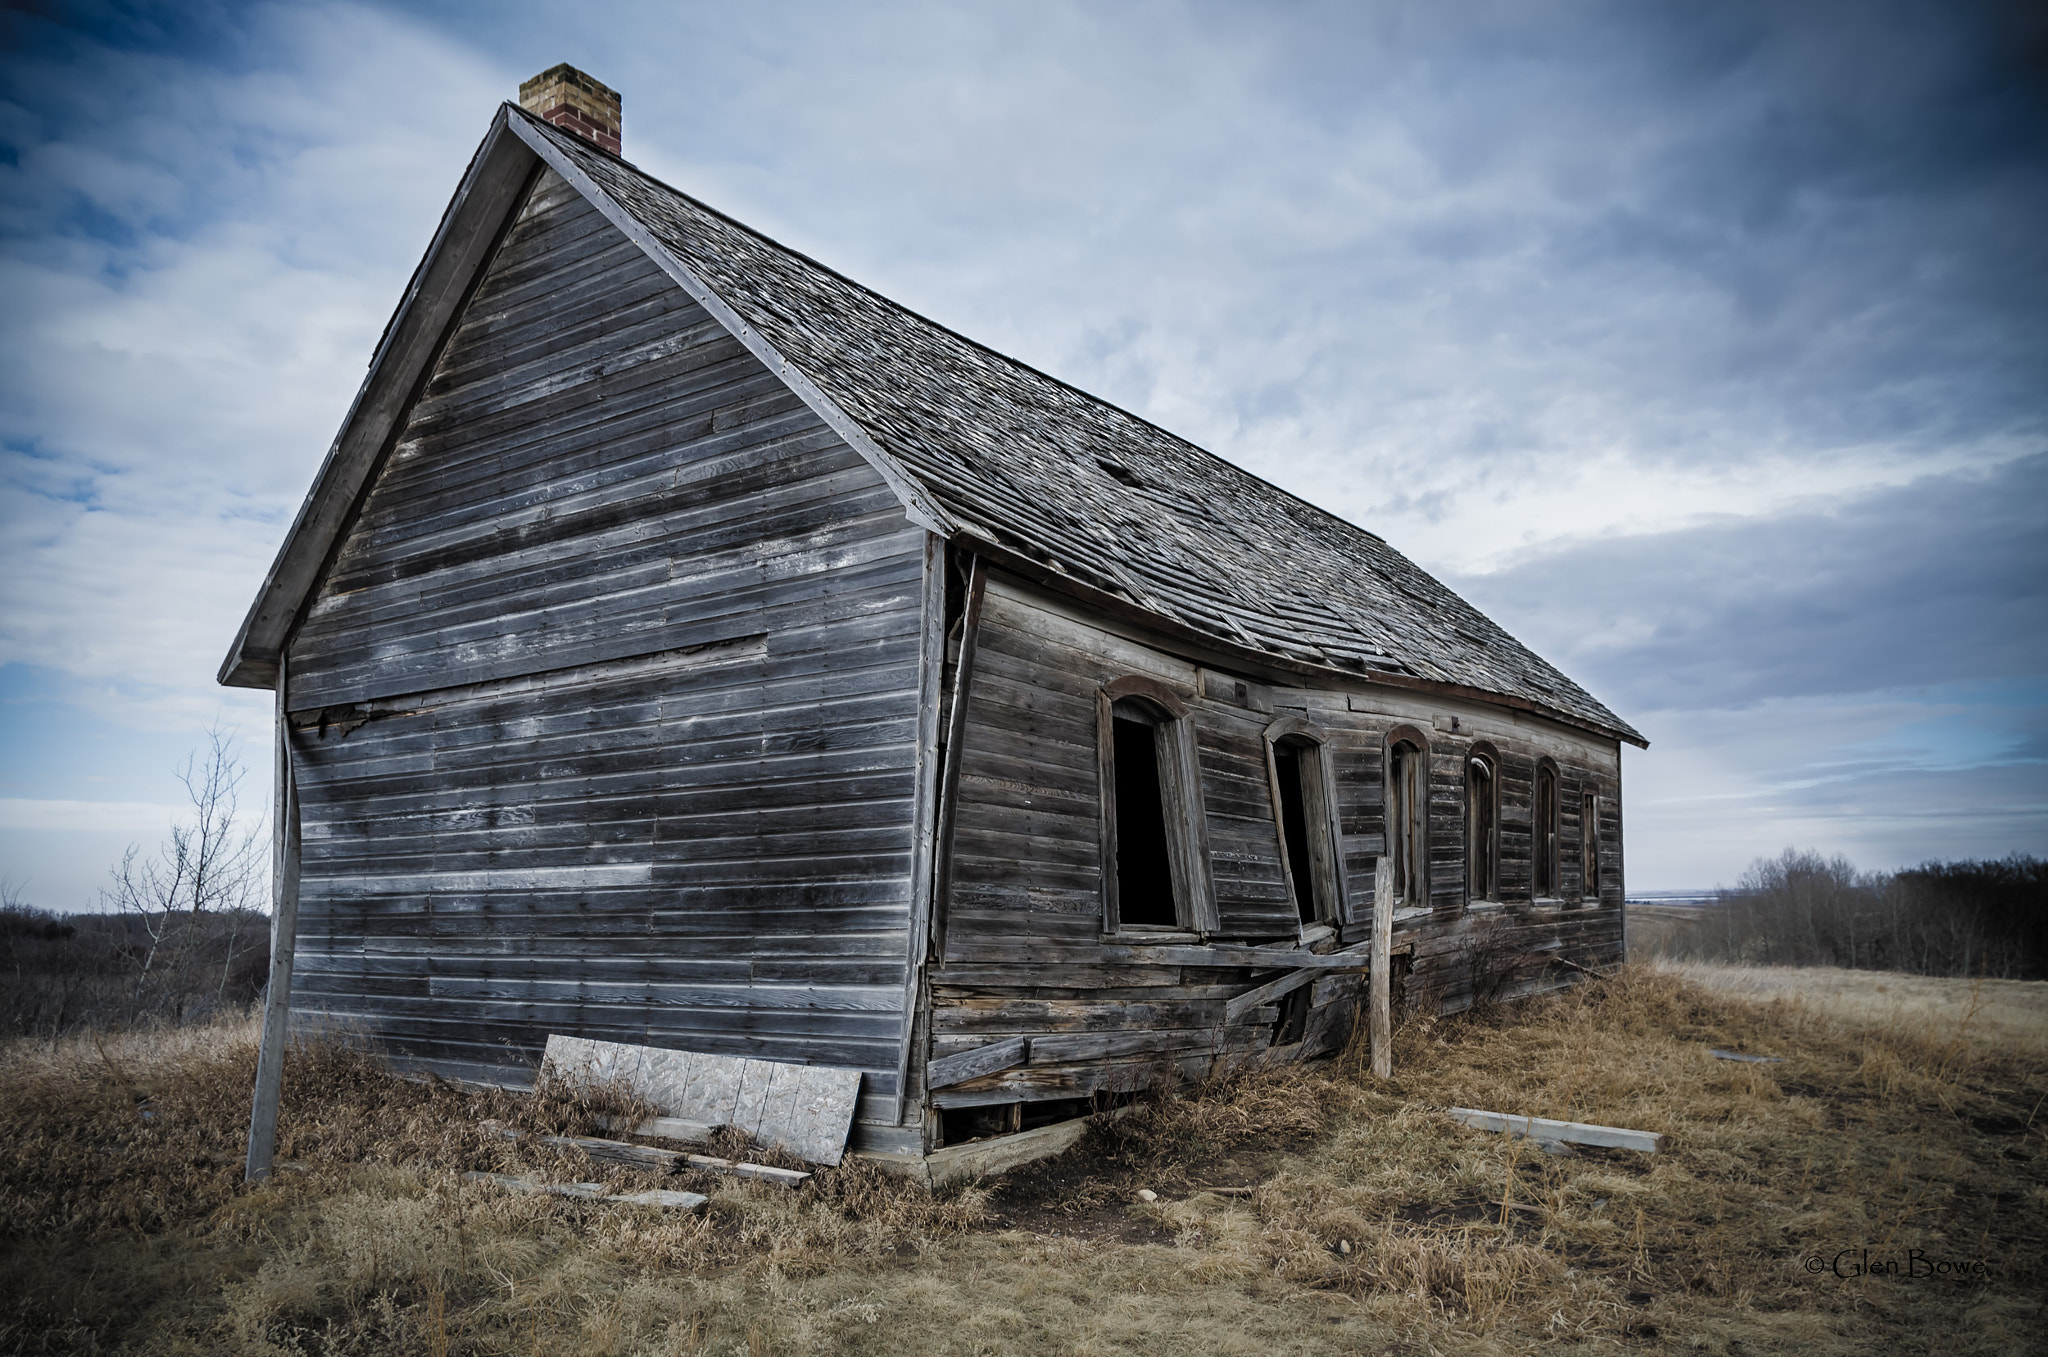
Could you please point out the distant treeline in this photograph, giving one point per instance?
(179, 937)
(1941, 918)
(61, 973)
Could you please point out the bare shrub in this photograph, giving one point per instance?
(211, 867)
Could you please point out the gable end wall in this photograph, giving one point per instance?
(605, 715)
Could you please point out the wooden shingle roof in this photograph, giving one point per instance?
(1010, 455)
(978, 446)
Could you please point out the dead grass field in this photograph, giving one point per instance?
(1374, 1224)
(1990, 1014)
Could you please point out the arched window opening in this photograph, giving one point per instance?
(1543, 830)
(1589, 848)
(1301, 804)
(1407, 822)
(1144, 859)
(1155, 870)
(1482, 820)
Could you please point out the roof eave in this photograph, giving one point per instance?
(1040, 573)
(469, 230)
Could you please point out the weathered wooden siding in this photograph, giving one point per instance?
(1023, 952)
(606, 713)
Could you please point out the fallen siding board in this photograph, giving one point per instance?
(808, 1110)
(1572, 1132)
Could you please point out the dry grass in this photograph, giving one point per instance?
(1374, 1223)
(1993, 1014)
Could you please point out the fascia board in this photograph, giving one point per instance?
(490, 189)
(917, 505)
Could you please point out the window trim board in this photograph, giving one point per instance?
(1329, 873)
(1187, 830)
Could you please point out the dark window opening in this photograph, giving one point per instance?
(1544, 832)
(1144, 872)
(1407, 809)
(1589, 848)
(957, 1125)
(1293, 1023)
(1481, 808)
(1291, 764)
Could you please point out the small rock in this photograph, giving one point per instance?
(1146, 1194)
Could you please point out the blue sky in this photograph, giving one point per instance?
(1704, 347)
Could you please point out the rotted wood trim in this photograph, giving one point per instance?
(1356, 957)
(1327, 856)
(931, 671)
(958, 1069)
(917, 505)
(1186, 817)
(956, 736)
(284, 922)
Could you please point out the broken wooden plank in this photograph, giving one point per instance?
(629, 1155)
(1234, 1011)
(958, 1069)
(1747, 1059)
(666, 1198)
(807, 1109)
(1573, 1132)
(665, 1128)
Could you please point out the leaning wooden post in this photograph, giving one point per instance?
(284, 930)
(1382, 968)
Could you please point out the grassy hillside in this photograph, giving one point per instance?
(1372, 1223)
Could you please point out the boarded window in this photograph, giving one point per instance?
(1301, 805)
(1482, 820)
(1407, 821)
(1589, 848)
(1543, 830)
(1144, 860)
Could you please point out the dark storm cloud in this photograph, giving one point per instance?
(1939, 582)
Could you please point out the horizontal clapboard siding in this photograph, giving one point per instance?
(1027, 836)
(605, 717)
(1023, 955)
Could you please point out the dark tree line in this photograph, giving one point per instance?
(180, 934)
(1941, 918)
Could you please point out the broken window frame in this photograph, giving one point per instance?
(1482, 826)
(1405, 780)
(1546, 865)
(1323, 832)
(1180, 790)
(1589, 843)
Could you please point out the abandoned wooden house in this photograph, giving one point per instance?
(683, 645)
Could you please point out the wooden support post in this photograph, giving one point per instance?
(1382, 968)
(284, 929)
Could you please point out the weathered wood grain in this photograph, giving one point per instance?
(972, 1064)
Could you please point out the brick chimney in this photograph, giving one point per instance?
(571, 100)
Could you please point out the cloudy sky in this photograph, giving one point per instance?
(1703, 346)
